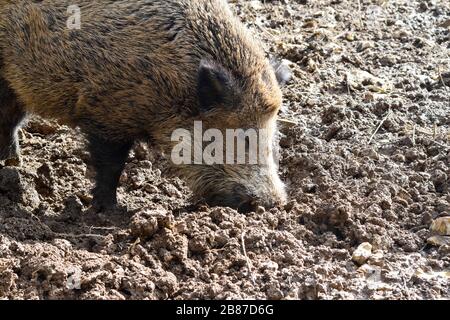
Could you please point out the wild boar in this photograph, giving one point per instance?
(138, 70)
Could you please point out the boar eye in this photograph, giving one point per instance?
(214, 85)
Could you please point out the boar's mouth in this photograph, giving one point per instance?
(240, 201)
(225, 186)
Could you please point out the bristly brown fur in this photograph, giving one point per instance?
(131, 72)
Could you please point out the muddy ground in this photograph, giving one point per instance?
(356, 68)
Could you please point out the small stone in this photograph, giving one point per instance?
(350, 36)
(441, 226)
(377, 258)
(358, 79)
(310, 188)
(362, 253)
(311, 65)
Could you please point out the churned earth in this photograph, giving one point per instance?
(365, 145)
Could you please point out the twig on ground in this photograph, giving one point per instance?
(379, 126)
(102, 228)
(443, 83)
(405, 287)
(360, 14)
(434, 135)
(434, 131)
(249, 263)
(292, 122)
(442, 79)
(347, 82)
(82, 235)
(440, 144)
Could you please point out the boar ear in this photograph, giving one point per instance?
(282, 71)
(214, 85)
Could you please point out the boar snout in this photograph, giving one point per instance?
(245, 194)
(242, 200)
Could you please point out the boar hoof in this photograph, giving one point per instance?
(102, 202)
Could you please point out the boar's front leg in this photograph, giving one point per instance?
(108, 159)
(11, 115)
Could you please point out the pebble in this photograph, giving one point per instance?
(350, 36)
(362, 253)
(360, 79)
